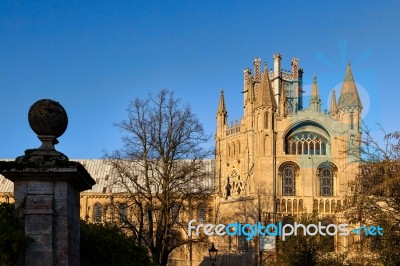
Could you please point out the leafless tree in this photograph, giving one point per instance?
(163, 170)
(376, 198)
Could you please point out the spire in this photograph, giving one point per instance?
(221, 105)
(349, 94)
(315, 101)
(333, 106)
(266, 96)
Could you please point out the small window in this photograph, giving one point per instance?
(97, 213)
(351, 121)
(175, 213)
(201, 213)
(123, 212)
(266, 120)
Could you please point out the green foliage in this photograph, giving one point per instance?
(307, 250)
(106, 244)
(12, 240)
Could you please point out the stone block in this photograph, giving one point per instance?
(41, 243)
(38, 224)
(44, 258)
(39, 201)
(39, 187)
(60, 190)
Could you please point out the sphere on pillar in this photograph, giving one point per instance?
(48, 117)
(49, 121)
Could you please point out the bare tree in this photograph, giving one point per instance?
(376, 198)
(162, 169)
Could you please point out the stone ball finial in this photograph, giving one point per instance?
(48, 120)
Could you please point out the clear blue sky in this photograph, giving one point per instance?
(95, 56)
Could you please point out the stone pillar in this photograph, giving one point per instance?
(47, 187)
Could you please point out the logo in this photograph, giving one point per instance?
(282, 230)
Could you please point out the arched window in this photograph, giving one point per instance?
(123, 212)
(351, 121)
(288, 180)
(307, 142)
(266, 120)
(175, 213)
(201, 213)
(97, 212)
(326, 181)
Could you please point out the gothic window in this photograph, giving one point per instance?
(123, 212)
(326, 181)
(175, 213)
(288, 180)
(351, 121)
(201, 213)
(307, 143)
(97, 213)
(266, 120)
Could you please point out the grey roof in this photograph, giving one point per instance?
(101, 173)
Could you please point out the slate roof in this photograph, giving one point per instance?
(101, 173)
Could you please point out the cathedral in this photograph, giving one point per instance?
(282, 159)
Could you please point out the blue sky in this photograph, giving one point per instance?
(95, 56)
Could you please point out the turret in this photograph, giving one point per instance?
(315, 100)
(350, 105)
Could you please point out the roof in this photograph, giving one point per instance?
(349, 96)
(102, 173)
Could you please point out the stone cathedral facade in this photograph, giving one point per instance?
(281, 159)
(285, 157)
